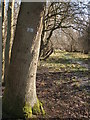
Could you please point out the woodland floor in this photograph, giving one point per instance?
(63, 85)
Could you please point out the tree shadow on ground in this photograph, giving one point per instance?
(68, 60)
(60, 60)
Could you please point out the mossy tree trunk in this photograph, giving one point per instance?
(20, 96)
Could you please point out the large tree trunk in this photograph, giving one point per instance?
(20, 93)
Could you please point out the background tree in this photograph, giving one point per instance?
(10, 13)
(62, 15)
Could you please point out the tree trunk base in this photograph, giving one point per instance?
(36, 110)
(27, 112)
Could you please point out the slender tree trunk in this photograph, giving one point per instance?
(2, 12)
(0, 62)
(7, 45)
(20, 96)
(12, 28)
(3, 38)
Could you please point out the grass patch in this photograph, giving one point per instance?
(66, 61)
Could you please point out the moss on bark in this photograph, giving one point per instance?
(38, 108)
(35, 110)
(27, 110)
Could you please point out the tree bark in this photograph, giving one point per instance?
(0, 62)
(7, 44)
(20, 92)
(3, 38)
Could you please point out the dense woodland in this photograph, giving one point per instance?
(45, 60)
